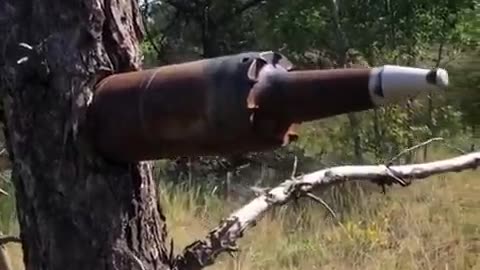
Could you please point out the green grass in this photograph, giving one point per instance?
(432, 224)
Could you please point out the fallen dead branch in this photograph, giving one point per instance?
(5, 263)
(223, 238)
(5, 239)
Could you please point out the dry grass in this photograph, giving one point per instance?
(433, 224)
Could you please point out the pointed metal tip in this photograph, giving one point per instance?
(438, 77)
(442, 78)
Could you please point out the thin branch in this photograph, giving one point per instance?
(227, 17)
(182, 5)
(3, 192)
(452, 147)
(424, 144)
(308, 194)
(430, 97)
(147, 30)
(248, 5)
(188, 8)
(408, 150)
(223, 238)
(295, 165)
(322, 202)
(5, 239)
(440, 54)
(159, 49)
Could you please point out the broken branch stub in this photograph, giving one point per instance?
(222, 238)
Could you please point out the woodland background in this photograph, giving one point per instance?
(430, 225)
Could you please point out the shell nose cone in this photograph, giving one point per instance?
(392, 83)
(438, 77)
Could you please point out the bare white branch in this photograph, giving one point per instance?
(414, 148)
(5, 239)
(5, 262)
(223, 238)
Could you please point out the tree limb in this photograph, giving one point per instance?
(5, 263)
(188, 9)
(184, 6)
(238, 11)
(160, 47)
(147, 30)
(223, 238)
(247, 5)
(423, 144)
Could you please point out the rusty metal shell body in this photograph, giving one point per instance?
(177, 110)
(314, 94)
(212, 107)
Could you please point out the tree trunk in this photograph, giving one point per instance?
(430, 108)
(378, 146)
(75, 209)
(209, 37)
(342, 48)
(355, 133)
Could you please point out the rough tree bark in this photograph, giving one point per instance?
(76, 210)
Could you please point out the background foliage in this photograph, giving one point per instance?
(330, 34)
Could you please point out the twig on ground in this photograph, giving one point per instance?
(394, 176)
(223, 238)
(322, 202)
(308, 194)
